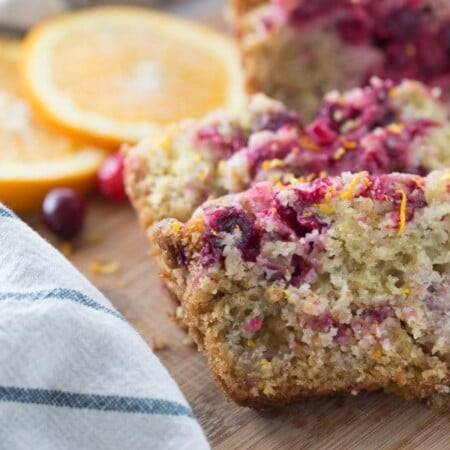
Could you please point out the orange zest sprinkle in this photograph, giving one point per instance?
(286, 293)
(95, 238)
(202, 176)
(367, 182)
(274, 179)
(306, 142)
(407, 291)
(393, 92)
(396, 128)
(104, 268)
(420, 183)
(349, 145)
(325, 208)
(310, 177)
(272, 164)
(274, 210)
(331, 191)
(348, 194)
(66, 249)
(339, 153)
(251, 343)
(401, 228)
(377, 354)
(213, 232)
(176, 227)
(323, 174)
(159, 343)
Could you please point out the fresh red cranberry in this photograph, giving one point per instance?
(63, 212)
(110, 178)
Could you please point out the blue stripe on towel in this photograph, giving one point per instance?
(137, 405)
(60, 293)
(5, 212)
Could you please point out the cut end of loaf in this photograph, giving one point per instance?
(328, 287)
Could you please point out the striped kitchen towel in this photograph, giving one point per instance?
(73, 373)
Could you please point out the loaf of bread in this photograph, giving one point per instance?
(296, 50)
(305, 289)
(380, 128)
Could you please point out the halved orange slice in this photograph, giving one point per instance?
(34, 159)
(118, 74)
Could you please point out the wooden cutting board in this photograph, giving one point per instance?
(370, 421)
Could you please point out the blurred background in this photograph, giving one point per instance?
(18, 15)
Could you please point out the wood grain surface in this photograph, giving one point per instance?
(369, 421)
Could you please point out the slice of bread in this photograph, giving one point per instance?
(317, 288)
(296, 50)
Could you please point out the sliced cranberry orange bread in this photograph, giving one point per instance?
(381, 128)
(171, 176)
(296, 50)
(315, 288)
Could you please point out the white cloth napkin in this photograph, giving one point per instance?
(73, 373)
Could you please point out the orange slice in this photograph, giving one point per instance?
(34, 159)
(118, 74)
